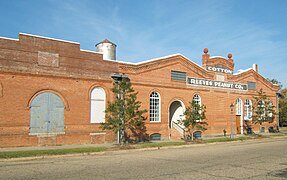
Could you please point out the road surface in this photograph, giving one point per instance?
(259, 159)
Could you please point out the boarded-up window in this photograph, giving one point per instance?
(98, 105)
(47, 114)
(48, 59)
(177, 75)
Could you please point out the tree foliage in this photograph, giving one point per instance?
(283, 108)
(194, 119)
(263, 109)
(123, 115)
(275, 81)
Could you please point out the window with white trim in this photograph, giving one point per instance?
(98, 105)
(197, 102)
(196, 99)
(248, 110)
(154, 107)
(270, 107)
(261, 109)
(238, 106)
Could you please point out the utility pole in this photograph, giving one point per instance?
(231, 121)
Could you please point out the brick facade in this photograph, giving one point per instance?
(33, 65)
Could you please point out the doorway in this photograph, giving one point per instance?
(176, 110)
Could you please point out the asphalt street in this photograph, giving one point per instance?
(259, 159)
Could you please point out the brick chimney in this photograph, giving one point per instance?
(255, 67)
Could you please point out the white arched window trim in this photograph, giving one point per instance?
(98, 105)
(238, 106)
(155, 102)
(248, 110)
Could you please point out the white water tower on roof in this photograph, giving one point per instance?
(108, 49)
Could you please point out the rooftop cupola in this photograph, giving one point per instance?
(107, 48)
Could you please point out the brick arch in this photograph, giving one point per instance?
(178, 99)
(66, 105)
(158, 91)
(198, 93)
(108, 94)
(155, 90)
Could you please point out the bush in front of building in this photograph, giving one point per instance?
(283, 108)
(194, 120)
(123, 115)
(263, 110)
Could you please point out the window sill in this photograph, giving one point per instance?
(152, 122)
(95, 134)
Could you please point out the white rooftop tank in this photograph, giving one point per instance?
(108, 49)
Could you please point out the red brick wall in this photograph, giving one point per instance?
(19, 90)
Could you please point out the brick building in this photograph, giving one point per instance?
(52, 92)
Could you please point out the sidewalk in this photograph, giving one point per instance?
(283, 132)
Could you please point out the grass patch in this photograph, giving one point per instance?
(33, 153)
(161, 144)
(227, 139)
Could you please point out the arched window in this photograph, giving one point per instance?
(238, 106)
(270, 109)
(196, 99)
(261, 109)
(154, 107)
(47, 114)
(248, 110)
(98, 105)
(197, 104)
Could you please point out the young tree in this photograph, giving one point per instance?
(194, 119)
(283, 108)
(263, 109)
(123, 115)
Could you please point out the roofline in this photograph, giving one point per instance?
(160, 58)
(13, 39)
(48, 38)
(242, 71)
(89, 51)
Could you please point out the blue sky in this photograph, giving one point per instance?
(253, 31)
